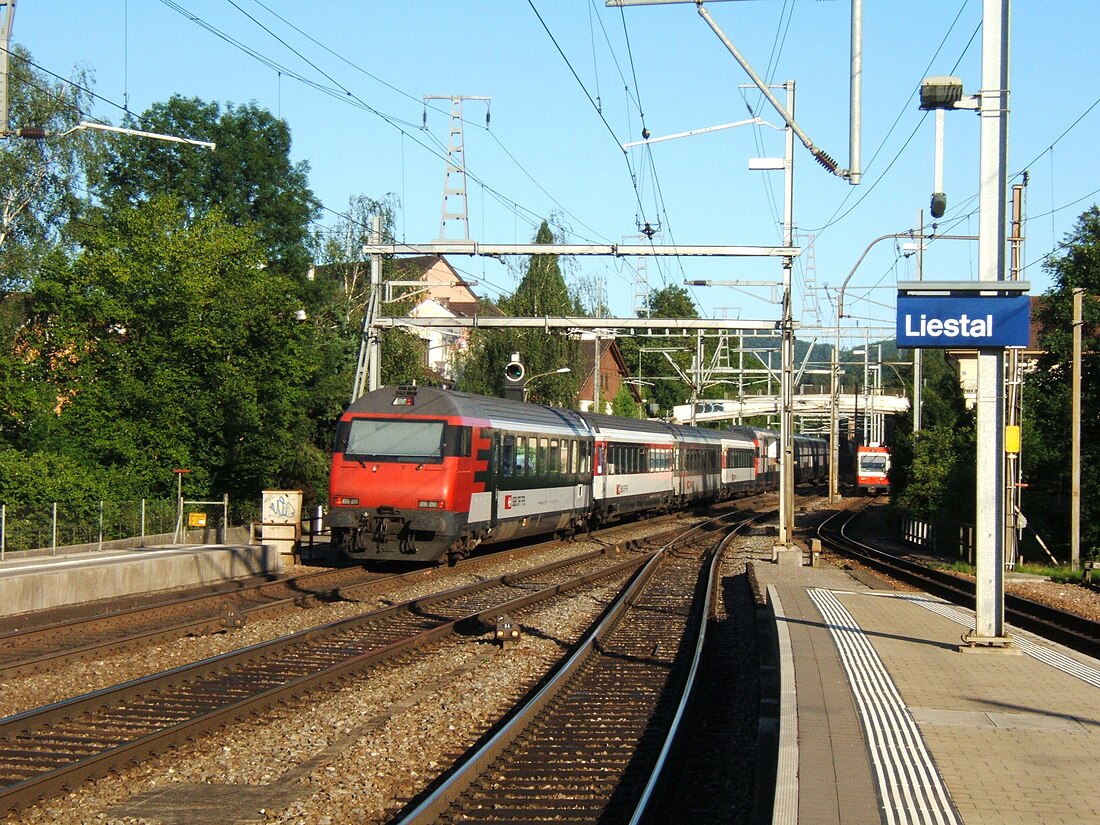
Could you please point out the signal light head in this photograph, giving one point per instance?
(514, 370)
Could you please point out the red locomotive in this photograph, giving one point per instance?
(872, 468)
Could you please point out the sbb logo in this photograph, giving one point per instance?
(514, 501)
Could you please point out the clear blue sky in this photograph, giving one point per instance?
(349, 76)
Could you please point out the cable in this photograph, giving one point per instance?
(836, 216)
(626, 156)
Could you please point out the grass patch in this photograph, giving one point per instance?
(953, 567)
(1061, 574)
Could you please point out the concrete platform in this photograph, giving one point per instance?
(884, 720)
(45, 582)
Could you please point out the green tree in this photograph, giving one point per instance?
(164, 343)
(39, 179)
(668, 387)
(541, 292)
(623, 403)
(249, 177)
(336, 301)
(932, 472)
(1047, 395)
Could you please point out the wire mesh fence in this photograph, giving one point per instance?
(61, 527)
(89, 526)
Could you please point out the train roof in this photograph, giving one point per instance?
(500, 412)
(601, 423)
(515, 415)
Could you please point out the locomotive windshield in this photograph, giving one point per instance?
(394, 440)
(873, 463)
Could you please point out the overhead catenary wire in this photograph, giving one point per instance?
(402, 125)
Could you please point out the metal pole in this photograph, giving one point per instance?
(141, 541)
(989, 617)
(99, 546)
(786, 418)
(7, 17)
(1014, 393)
(878, 419)
(866, 383)
(834, 418)
(1075, 438)
(3, 529)
(856, 98)
(53, 530)
(375, 343)
(178, 534)
(918, 353)
(596, 375)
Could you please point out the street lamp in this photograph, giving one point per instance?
(940, 94)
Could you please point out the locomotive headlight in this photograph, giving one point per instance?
(430, 505)
(345, 501)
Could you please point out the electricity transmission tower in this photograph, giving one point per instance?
(454, 181)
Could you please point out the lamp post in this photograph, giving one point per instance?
(834, 435)
(558, 371)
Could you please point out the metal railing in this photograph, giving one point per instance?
(65, 527)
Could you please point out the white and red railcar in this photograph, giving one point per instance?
(420, 473)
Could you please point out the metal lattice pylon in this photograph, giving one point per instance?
(454, 181)
(809, 278)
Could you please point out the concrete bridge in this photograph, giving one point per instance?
(815, 404)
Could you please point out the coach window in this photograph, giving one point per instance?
(521, 455)
(508, 455)
(555, 457)
(531, 459)
(544, 447)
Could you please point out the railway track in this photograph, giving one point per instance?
(58, 746)
(1075, 632)
(591, 744)
(45, 648)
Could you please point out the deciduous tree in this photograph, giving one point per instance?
(249, 177)
(165, 343)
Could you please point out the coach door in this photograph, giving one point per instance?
(495, 464)
(580, 469)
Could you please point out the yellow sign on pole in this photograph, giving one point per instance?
(196, 519)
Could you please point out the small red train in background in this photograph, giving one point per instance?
(872, 469)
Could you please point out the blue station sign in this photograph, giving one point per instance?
(964, 322)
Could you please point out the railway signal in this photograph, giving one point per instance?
(514, 379)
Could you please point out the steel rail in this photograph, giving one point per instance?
(1075, 632)
(46, 750)
(458, 783)
(44, 648)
